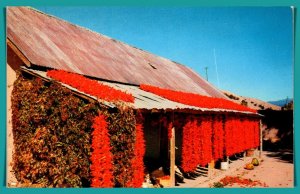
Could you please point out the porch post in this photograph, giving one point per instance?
(172, 158)
(260, 139)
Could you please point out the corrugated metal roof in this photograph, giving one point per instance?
(51, 42)
(143, 100)
(148, 100)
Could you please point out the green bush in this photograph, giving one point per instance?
(218, 185)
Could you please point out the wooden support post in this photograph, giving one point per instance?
(172, 158)
(212, 164)
(261, 139)
(211, 167)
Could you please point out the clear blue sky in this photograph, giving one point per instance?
(253, 46)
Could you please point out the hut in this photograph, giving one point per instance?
(135, 110)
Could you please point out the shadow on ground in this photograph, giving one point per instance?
(279, 151)
(286, 155)
(282, 121)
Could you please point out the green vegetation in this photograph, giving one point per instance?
(218, 185)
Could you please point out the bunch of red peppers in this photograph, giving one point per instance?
(206, 139)
(195, 99)
(137, 162)
(101, 158)
(240, 134)
(89, 86)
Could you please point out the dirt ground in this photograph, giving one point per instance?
(276, 170)
(273, 171)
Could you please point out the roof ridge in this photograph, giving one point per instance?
(105, 36)
(65, 21)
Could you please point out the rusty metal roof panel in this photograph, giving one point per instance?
(51, 42)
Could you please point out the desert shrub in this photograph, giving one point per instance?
(52, 134)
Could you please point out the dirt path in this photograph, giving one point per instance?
(276, 170)
(273, 171)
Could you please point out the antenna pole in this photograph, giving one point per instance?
(206, 73)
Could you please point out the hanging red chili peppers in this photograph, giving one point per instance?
(189, 161)
(137, 161)
(197, 144)
(240, 134)
(90, 86)
(101, 158)
(257, 133)
(218, 138)
(170, 126)
(206, 140)
(195, 99)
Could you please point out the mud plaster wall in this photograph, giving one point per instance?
(13, 64)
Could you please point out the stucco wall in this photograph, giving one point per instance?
(13, 64)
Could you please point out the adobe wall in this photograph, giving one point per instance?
(13, 64)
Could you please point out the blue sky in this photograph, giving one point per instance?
(253, 46)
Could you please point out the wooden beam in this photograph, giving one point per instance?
(172, 158)
(211, 168)
(18, 52)
(196, 112)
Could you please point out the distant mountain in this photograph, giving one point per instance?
(251, 102)
(281, 102)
